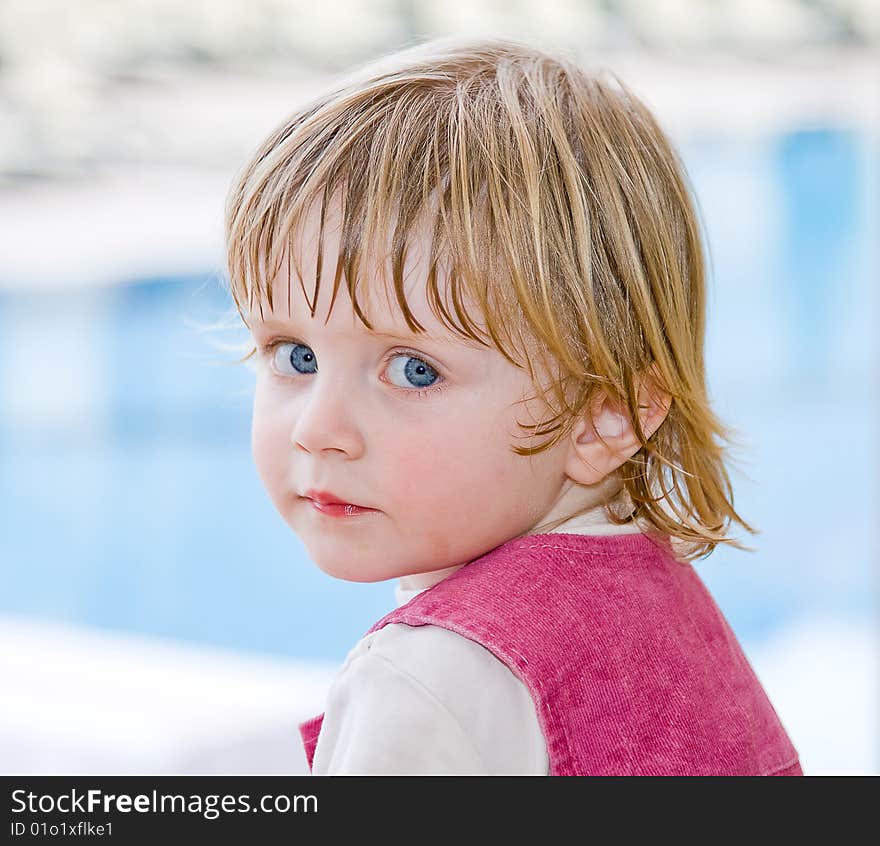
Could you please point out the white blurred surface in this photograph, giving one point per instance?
(822, 677)
(80, 701)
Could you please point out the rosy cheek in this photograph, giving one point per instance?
(431, 462)
(405, 476)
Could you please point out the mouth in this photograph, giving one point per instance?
(331, 506)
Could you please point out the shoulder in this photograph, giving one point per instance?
(539, 572)
(434, 655)
(461, 673)
(417, 685)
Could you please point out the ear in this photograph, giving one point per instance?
(590, 459)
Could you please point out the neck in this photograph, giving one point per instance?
(593, 521)
(419, 581)
(583, 507)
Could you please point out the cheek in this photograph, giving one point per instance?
(267, 439)
(447, 454)
(414, 462)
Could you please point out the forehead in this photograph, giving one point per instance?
(303, 289)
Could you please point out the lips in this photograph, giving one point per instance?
(336, 510)
(332, 506)
(327, 498)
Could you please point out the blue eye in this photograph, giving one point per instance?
(419, 373)
(297, 356)
(406, 371)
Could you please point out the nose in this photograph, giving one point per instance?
(324, 421)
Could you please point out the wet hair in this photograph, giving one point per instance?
(562, 233)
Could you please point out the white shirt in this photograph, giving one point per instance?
(422, 700)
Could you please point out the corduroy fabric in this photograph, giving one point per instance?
(309, 731)
(632, 667)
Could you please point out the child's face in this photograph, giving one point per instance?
(337, 408)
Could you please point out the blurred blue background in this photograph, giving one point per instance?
(128, 498)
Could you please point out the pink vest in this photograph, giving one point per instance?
(632, 667)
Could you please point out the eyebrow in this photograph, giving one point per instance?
(422, 336)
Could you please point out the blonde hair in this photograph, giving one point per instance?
(556, 204)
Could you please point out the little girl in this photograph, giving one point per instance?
(507, 411)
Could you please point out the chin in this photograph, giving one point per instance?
(353, 572)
